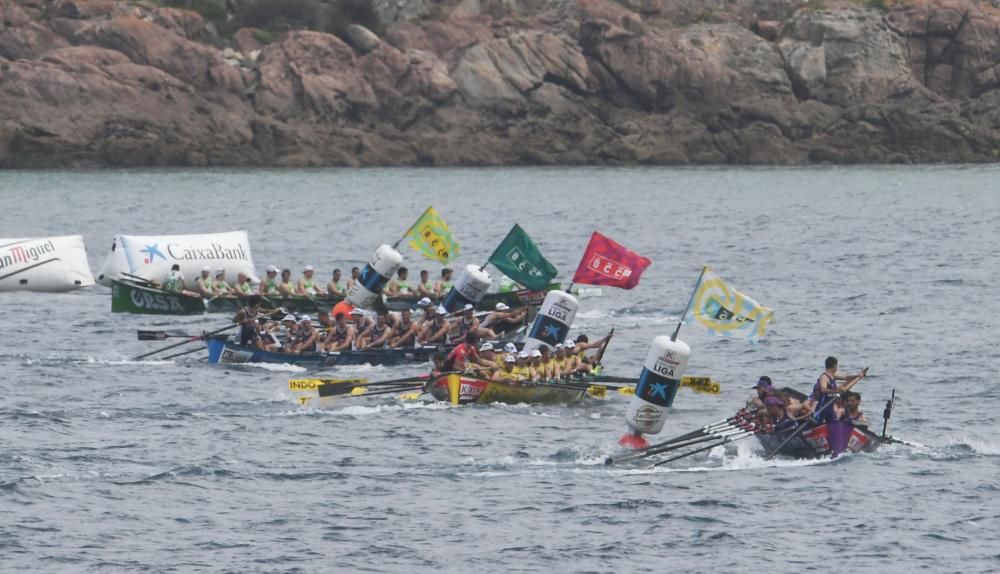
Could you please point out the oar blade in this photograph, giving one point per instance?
(152, 335)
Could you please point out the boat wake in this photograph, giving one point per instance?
(974, 446)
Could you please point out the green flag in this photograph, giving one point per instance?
(518, 257)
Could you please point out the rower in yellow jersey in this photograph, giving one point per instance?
(549, 370)
(506, 374)
(522, 366)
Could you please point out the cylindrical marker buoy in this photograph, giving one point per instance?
(553, 321)
(469, 288)
(658, 383)
(374, 276)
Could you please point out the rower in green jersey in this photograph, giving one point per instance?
(174, 281)
(220, 286)
(443, 286)
(425, 288)
(285, 286)
(269, 285)
(335, 288)
(355, 274)
(399, 286)
(243, 285)
(307, 285)
(204, 284)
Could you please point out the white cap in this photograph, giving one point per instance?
(308, 268)
(219, 272)
(442, 310)
(468, 307)
(501, 306)
(304, 319)
(356, 311)
(560, 346)
(288, 318)
(509, 358)
(206, 268)
(272, 269)
(523, 354)
(486, 347)
(569, 344)
(425, 302)
(536, 353)
(510, 348)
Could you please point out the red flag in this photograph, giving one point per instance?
(608, 263)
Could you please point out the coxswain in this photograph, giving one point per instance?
(204, 284)
(502, 318)
(464, 356)
(291, 327)
(307, 285)
(406, 330)
(243, 286)
(507, 373)
(425, 288)
(174, 281)
(398, 285)
(852, 403)
(334, 288)
(269, 285)
(285, 287)
(376, 336)
(355, 274)
(341, 337)
(826, 388)
(763, 388)
(246, 318)
(220, 286)
(306, 338)
(435, 328)
(443, 285)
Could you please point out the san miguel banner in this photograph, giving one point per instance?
(44, 264)
(151, 256)
(606, 262)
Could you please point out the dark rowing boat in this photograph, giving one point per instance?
(822, 440)
(136, 297)
(223, 351)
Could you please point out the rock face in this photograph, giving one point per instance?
(500, 82)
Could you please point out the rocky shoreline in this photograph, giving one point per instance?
(103, 83)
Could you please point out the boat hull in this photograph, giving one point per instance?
(469, 390)
(222, 351)
(820, 440)
(129, 297)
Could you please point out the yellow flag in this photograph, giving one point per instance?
(431, 237)
(725, 311)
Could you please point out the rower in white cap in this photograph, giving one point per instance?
(503, 317)
(269, 284)
(467, 322)
(220, 286)
(306, 338)
(204, 284)
(307, 285)
(435, 327)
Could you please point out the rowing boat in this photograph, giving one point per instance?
(136, 297)
(223, 351)
(819, 441)
(462, 390)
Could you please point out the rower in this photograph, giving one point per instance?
(269, 285)
(522, 366)
(342, 335)
(204, 284)
(763, 388)
(502, 318)
(826, 387)
(536, 364)
(246, 318)
(243, 285)
(355, 274)
(361, 322)
(559, 360)
(571, 362)
(334, 288)
(399, 286)
(852, 402)
(425, 288)
(438, 368)
(377, 336)
(583, 345)
(468, 323)
(488, 357)
(507, 373)
(443, 285)
(268, 339)
(464, 355)
(435, 328)
(405, 331)
(220, 286)
(324, 323)
(307, 285)
(174, 281)
(285, 287)
(291, 327)
(549, 369)
(306, 338)
(778, 414)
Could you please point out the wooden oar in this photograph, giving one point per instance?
(726, 440)
(181, 354)
(136, 278)
(190, 340)
(160, 335)
(336, 390)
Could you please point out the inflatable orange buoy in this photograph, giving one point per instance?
(342, 307)
(635, 441)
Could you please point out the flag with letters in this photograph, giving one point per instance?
(606, 262)
(431, 237)
(518, 257)
(725, 311)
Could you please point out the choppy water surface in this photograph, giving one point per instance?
(176, 466)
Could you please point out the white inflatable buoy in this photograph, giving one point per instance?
(151, 256)
(553, 321)
(469, 288)
(44, 264)
(374, 277)
(658, 383)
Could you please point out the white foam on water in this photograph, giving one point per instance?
(978, 446)
(276, 367)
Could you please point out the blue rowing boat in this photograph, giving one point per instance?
(223, 351)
